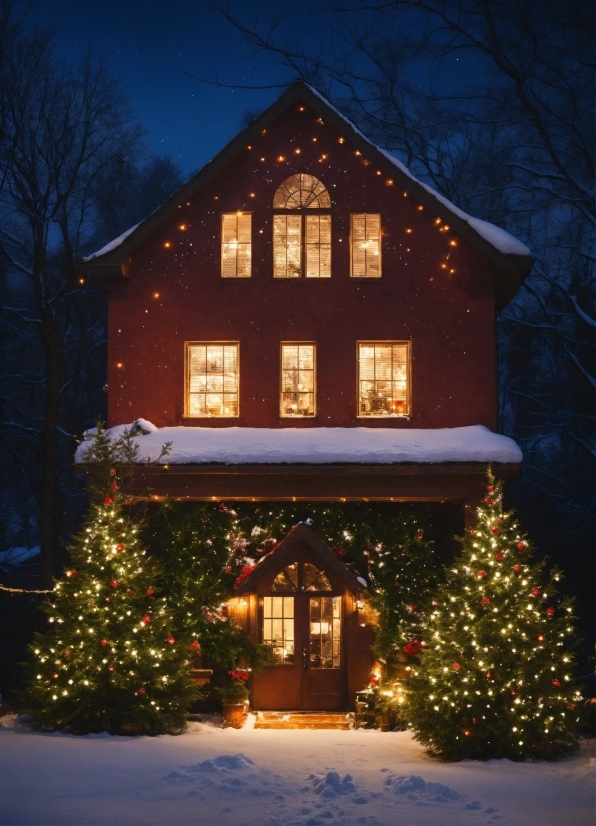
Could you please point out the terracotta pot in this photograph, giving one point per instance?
(233, 715)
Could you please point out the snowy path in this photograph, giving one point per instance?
(210, 777)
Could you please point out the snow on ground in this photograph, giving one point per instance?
(214, 777)
(319, 445)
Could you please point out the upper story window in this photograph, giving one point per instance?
(297, 380)
(236, 247)
(212, 379)
(302, 229)
(384, 378)
(365, 245)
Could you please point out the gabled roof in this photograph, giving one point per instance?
(301, 537)
(511, 257)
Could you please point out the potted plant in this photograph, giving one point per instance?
(235, 698)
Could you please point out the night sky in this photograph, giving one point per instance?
(152, 45)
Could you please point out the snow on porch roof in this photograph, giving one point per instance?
(318, 445)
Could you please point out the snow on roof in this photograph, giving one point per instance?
(111, 245)
(318, 445)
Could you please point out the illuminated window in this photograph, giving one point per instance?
(286, 580)
(302, 236)
(384, 378)
(325, 632)
(365, 245)
(212, 379)
(297, 380)
(236, 245)
(278, 627)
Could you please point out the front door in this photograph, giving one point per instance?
(302, 619)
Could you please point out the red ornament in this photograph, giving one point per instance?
(475, 721)
(472, 533)
(120, 548)
(419, 534)
(489, 675)
(499, 557)
(110, 668)
(495, 530)
(113, 583)
(484, 601)
(455, 666)
(146, 620)
(517, 567)
(209, 617)
(67, 652)
(228, 569)
(481, 574)
(170, 640)
(535, 592)
(149, 592)
(128, 592)
(521, 545)
(114, 486)
(141, 690)
(53, 675)
(550, 612)
(488, 500)
(108, 599)
(194, 646)
(556, 683)
(489, 488)
(541, 638)
(107, 500)
(103, 642)
(112, 471)
(412, 648)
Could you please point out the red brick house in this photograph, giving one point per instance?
(306, 320)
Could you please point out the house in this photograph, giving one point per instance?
(306, 320)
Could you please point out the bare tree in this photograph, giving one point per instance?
(512, 142)
(62, 126)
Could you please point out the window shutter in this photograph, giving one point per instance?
(236, 252)
(365, 243)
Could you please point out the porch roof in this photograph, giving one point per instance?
(318, 445)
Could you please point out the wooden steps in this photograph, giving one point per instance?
(337, 720)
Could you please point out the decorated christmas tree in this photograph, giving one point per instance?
(496, 674)
(109, 660)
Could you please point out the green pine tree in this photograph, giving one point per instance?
(109, 660)
(496, 678)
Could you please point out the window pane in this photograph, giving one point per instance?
(383, 379)
(318, 246)
(278, 627)
(314, 579)
(286, 246)
(302, 191)
(236, 250)
(212, 379)
(325, 632)
(365, 245)
(298, 383)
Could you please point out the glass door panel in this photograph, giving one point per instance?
(325, 632)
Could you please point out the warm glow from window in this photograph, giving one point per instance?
(383, 378)
(365, 245)
(298, 380)
(278, 627)
(302, 236)
(236, 252)
(212, 379)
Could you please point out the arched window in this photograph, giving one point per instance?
(302, 229)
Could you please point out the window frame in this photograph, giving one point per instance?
(312, 344)
(390, 341)
(367, 277)
(304, 213)
(187, 346)
(221, 245)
